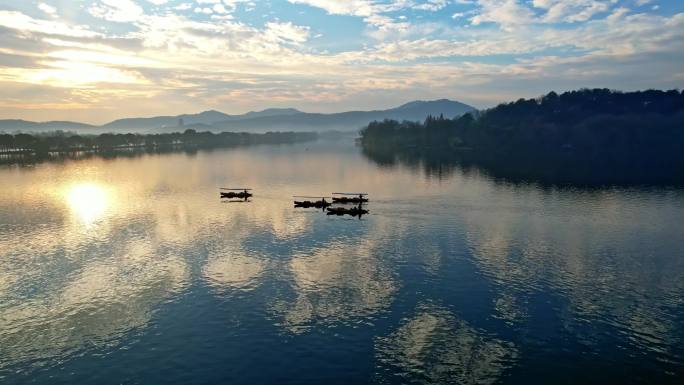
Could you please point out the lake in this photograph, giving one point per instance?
(132, 270)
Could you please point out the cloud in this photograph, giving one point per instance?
(50, 10)
(507, 13)
(116, 10)
(571, 11)
(432, 5)
(510, 14)
(221, 61)
(19, 21)
(364, 8)
(286, 32)
(183, 6)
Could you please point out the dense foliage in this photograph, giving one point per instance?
(593, 135)
(61, 142)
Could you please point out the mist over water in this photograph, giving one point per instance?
(132, 270)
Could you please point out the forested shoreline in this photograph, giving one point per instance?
(594, 136)
(58, 146)
(60, 142)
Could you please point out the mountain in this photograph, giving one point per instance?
(203, 119)
(272, 119)
(345, 121)
(436, 107)
(25, 125)
(267, 112)
(206, 117)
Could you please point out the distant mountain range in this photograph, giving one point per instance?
(272, 119)
(25, 125)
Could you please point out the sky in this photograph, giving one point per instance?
(95, 61)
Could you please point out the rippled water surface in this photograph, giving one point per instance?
(132, 270)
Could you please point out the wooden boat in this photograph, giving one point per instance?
(240, 193)
(319, 204)
(316, 204)
(356, 198)
(349, 200)
(353, 211)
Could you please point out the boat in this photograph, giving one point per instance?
(239, 193)
(319, 204)
(356, 198)
(353, 211)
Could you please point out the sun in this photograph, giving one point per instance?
(88, 201)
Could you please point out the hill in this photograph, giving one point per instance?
(25, 125)
(206, 118)
(272, 119)
(346, 121)
(588, 136)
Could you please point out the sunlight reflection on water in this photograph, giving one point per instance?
(88, 201)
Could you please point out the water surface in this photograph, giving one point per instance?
(132, 270)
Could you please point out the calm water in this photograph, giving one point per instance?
(134, 271)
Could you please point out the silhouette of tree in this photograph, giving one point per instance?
(572, 128)
(60, 142)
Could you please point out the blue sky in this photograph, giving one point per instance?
(99, 60)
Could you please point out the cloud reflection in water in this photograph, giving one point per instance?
(102, 301)
(435, 347)
(335, 283)
(235, 270)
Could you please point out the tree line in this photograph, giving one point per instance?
(60, 142)
(591, 134)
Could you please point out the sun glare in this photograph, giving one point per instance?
(88, 201)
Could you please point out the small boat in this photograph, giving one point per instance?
(240, 193)
(355, 198)
(319, 204)
(354, 211)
